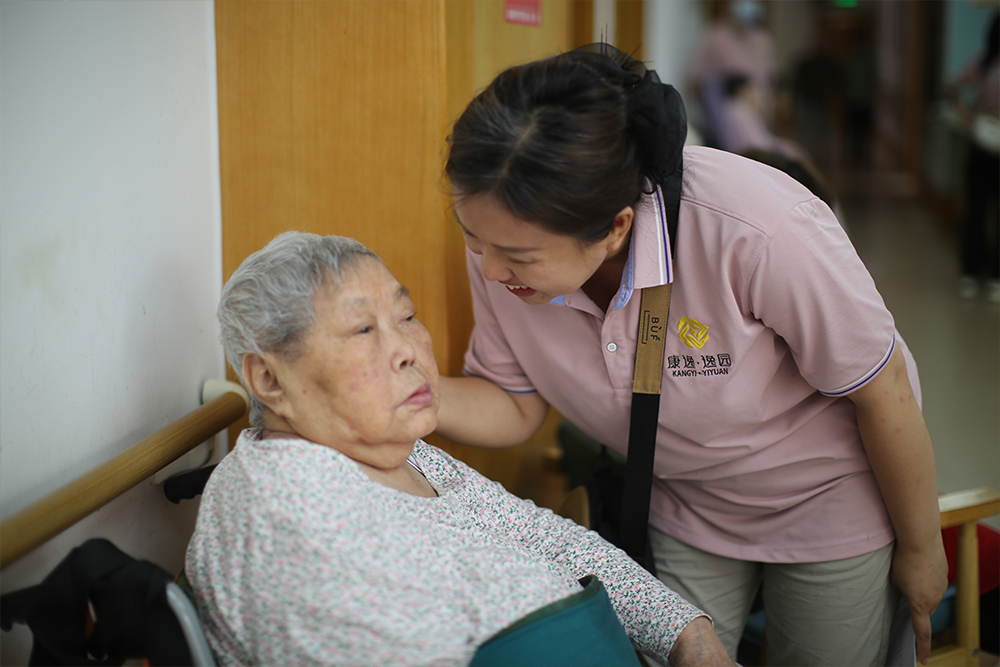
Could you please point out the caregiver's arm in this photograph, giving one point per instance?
(474, 411)
(899, 448)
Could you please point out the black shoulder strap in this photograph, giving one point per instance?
(654, 311)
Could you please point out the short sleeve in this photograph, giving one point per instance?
(810, 287)
(489, 354)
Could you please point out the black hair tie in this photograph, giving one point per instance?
(656, 114)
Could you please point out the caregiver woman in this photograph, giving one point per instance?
(791, 450)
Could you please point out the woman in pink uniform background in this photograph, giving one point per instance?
(791, 450)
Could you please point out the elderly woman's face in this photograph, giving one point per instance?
(366, 382)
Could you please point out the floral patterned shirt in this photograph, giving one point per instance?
(299, 558)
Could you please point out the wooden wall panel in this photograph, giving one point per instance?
(628, 27)
(582, 17)
(460, 24)
(331, 120)
(499, 44)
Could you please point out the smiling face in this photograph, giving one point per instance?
(366, 382)
(534, 264)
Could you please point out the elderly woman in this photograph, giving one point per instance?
(332, 534)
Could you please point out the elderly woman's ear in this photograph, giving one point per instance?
(262, 380)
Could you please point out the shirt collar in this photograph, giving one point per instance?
(649, 263)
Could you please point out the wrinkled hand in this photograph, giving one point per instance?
(699, 645)
(922, 577)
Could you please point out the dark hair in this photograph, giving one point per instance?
(568, 141)
(734, 83)
(992, 43)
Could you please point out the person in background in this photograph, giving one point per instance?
(980, 247)
(735, 43)
(747, 130)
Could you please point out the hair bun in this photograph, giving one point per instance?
(659, 123)
(656, 114)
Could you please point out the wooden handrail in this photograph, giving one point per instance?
(970, 505)
(65, 506)
(964, 509)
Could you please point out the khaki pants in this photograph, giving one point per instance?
(831, 613)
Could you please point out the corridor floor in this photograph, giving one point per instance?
(955, 341)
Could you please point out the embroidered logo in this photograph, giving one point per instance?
(686, 366)
(692, 332)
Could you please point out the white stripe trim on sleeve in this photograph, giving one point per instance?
(843, 391)
(510, 390)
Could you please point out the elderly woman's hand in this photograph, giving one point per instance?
(699, 645)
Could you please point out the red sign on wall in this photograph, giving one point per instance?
(525, 12)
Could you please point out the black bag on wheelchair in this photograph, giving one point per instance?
(100, 606)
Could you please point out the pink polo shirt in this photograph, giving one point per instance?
(773, 320)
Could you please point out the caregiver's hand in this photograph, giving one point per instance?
(922, 577)
(699, 645)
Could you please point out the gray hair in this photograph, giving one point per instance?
(267, 304)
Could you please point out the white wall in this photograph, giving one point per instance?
(672, 30)
(110, 256)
